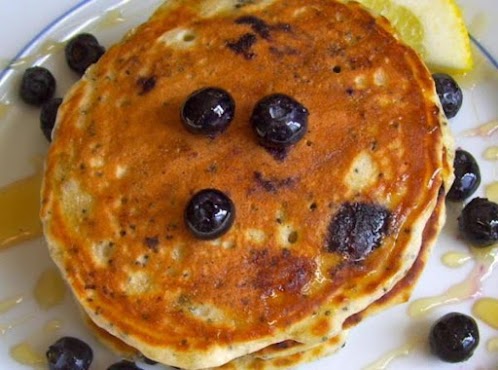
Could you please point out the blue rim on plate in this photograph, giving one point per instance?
(484, 51)
(76, 7)
(42, 33)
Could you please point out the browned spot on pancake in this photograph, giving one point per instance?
(243, 45)
(146, 84)
(321, 328)
(281, 51)
(272, 185)
(357, 229)
(280, 273)
(259, 26)
(152, 243)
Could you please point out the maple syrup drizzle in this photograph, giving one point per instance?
(486, 309)
(52, 326)
(384, 362)
(455, 259)
(5, 328)
(50, 289)
(484, 130)
(19, 211)
(110, 19)
(492, 191)
(485, 261)
(47, 48)
(10, 303)
(492, 345)
(4, 108)
(491, 153)
(25, 354)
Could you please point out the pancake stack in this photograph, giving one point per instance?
(327, 231)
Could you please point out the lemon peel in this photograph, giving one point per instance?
(434, 28)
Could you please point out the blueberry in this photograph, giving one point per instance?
(279, 121)
(449, 93)
(37, 85)
(82, 51)
(209, 214)
(479, 222)
(124, 365)
(69, 353)
(208, 111)
(358, 229)
(48, 115)
(454, 337)
(467, 176)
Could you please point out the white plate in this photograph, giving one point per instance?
(26, 25)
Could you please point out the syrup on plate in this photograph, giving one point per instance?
(485, 261)
(492, 192)
(384, 362)
(50, 289)
(10, 303)
(486, 309)
(19, 209)
(491, 153)
(4, 108)
(25, 354)
(455, 259)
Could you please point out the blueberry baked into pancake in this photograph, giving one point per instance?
(238, 183)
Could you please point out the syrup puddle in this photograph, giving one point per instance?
(486, 309)
(470, 287)
(25, 354)
(455, 259)
(50, 289)
(52, 326)
(19, 209)
(28, 353)
(49, 47)
(4, 108)
(492, 192)
(10, 303)
(492, 345)
(484, 130)
(385, 361)
(5, 328)
(491, 153)
(110, 19)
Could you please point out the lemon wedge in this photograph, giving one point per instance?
(434, 28)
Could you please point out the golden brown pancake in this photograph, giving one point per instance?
(285, 354)
(122, 168)
(290, 353)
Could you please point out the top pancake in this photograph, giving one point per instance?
(122, 168)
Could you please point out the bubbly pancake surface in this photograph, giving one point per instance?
(122, 168)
